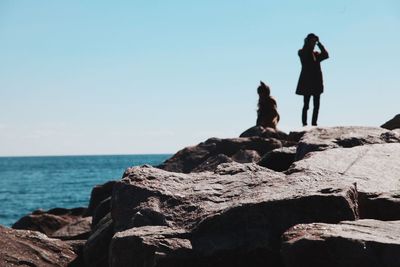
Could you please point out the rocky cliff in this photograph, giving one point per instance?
(322, 197)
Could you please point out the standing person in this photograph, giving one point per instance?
(310, 81)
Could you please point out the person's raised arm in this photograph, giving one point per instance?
(324, 54)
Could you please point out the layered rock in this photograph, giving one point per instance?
(367, 243)
(32, 248)
(210, 207)
(374, 169)
(240, 209)
(319, 139)
(190, 158)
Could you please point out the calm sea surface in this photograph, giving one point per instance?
(29, 183)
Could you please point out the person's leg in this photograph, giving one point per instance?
(316, 100)
(305, 109)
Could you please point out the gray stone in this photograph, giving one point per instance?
(375, 170)
(367, 243)
(150, 245)
(240, 209)
(211, 163)
(319, 139)
(190, 158)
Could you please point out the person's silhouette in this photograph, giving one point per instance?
(310, 80)
(267, 113)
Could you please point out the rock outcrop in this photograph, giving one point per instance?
(319, 139)
(213, 150)
(374, 169)
(264, 199)
(393, 123)
(32, 248)
(50, 221)
(240, 208)
(367, 243)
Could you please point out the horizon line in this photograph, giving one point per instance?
(83, 155)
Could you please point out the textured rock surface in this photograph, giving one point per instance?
(31, 248)
(79, 229)
(240, 209)
(393, 123)
(319, 139)
(189, 158)
(374, 168)
(48, 222)
(279, 159)
(246, 156)
(151, 245)
(226, 213)
(211, 163)
(367, 243)
(265, 132)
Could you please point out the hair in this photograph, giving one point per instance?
(263, 89)
(308, 37)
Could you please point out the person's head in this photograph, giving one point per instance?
(311, 40)
(263, 90)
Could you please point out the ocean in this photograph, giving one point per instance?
(30, 183)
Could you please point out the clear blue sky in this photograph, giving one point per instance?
(126, 77)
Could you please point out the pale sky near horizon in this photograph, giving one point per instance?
(132, 77)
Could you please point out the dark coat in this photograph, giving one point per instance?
(267, 113)
(310, 80)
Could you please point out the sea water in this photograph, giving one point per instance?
(30, 183)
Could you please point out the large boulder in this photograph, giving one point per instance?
(367, 243)
(393, 123)
(99, 193)
(319, 139)
(101, 210)
(374, 169)
(48, 222)
(232, 216)
(96, 248)
(190, 158)
(32, 248)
